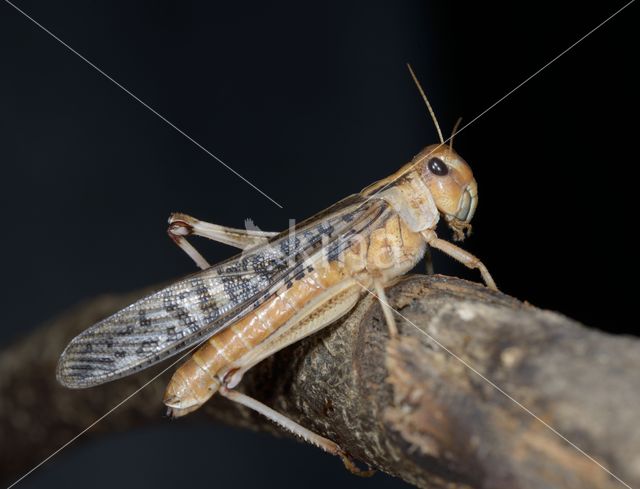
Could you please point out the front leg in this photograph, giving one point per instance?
(459, 254)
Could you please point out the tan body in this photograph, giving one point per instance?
(372, 238)
(390, 251)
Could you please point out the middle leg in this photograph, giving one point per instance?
(387, 310)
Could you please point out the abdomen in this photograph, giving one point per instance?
(385, 253)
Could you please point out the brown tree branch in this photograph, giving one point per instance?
(406, 407)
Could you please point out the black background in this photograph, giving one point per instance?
(310, 102)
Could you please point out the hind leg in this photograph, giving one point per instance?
(181, 226)
(295, 428)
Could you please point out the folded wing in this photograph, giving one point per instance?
(193, 309)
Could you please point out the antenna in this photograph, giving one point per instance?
(453, 131)
(426, 101)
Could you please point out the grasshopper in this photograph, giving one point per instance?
(281, 288)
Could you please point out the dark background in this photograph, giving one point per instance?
(310, 102)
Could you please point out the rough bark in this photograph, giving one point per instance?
(407, 407)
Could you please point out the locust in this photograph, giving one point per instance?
(282, 287)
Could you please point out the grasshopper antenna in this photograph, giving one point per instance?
(453, 131)
(426, 101)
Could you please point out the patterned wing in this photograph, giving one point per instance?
(193, 309)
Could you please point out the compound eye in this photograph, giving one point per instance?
(437, 167)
